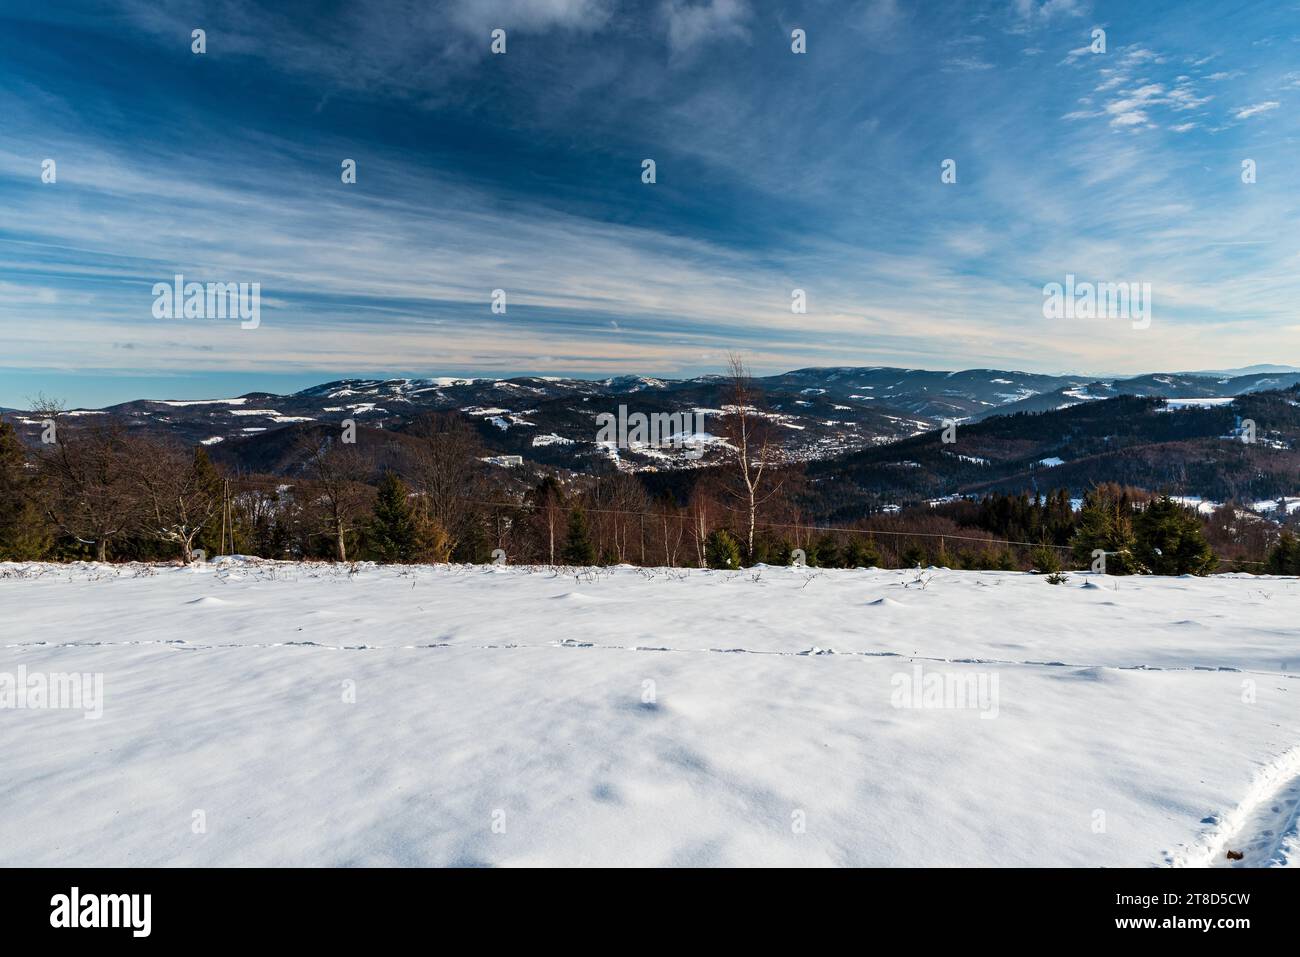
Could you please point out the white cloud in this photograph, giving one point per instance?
(1042, 10)
(1135, 98)
(479, 16)
(421, 254)
(1248, 111)
(966, 64)
(1129, 118)
(691, 25)
(1141, 54)
(1183, 98)
(400, 47)
(880, 20)
(1113, 78)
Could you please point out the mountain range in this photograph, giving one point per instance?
(875, 430)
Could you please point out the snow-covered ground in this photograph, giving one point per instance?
(281, 714)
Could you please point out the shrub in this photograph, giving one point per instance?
(861, 553)
(913, 556)
(721, 550)
(827, 553)
(1046, 560)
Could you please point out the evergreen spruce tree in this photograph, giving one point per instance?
(24, 534)
(1105, 523)
(761, 555)
(828, 552)
(1046, 560)
(209, 486)
(393, 535)
(1170, 540)
(1284, 559)
(1059, 522)
(721, 550)
(578, 549)
(861, 553)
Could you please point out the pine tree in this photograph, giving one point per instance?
(208, 489)
(1045, 559)
(24, 534)
(861, 553)
(1284, 559)
(721, 550)
(828, 552)
(1170, 540)
(578, 549)
(1060, 518)
(393, 535)
(1105, 524)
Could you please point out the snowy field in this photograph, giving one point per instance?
(283, 714)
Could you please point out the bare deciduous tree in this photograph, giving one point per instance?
(672, 526)
(448, 472)
(550, 513)
(181, 493)
(618, 507)
(700, 511)
(87, 468)
(751, 446)
(340, 472)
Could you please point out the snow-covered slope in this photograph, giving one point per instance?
(306, 714)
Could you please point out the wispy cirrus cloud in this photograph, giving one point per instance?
(1042, 11)
(691, 25)
(522, 172)
(967, 63)
(1246, 112)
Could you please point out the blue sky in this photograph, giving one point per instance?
(522, 172)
